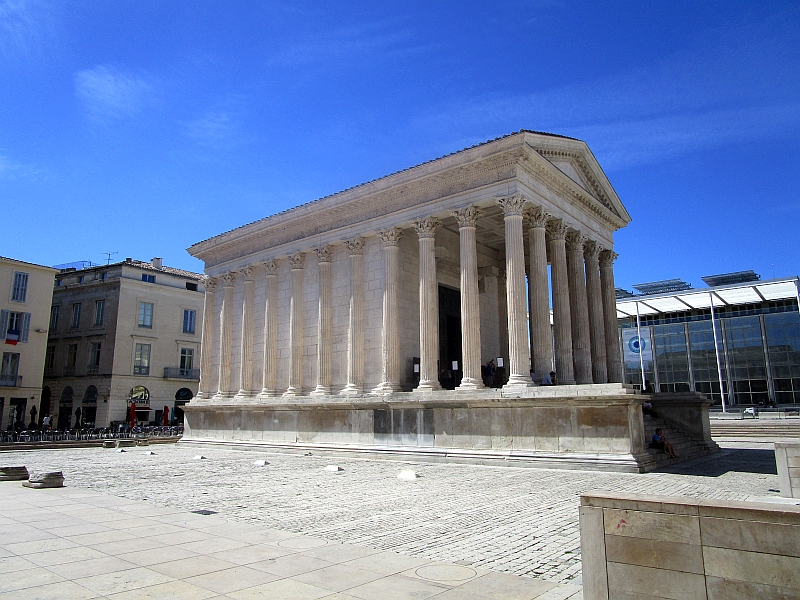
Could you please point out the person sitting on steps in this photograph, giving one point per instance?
(659, 442)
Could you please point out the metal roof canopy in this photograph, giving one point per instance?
(729, 295)
(731, 278)
(662, 287)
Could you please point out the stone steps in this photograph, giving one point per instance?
(755, 428)
(685, 447)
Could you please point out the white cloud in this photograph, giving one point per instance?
(109, 94)
(12, 169)
(214, 129)
(23, 23)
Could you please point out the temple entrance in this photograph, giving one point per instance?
(450, 367)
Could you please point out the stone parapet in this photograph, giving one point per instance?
(787, 458)
(653, 547)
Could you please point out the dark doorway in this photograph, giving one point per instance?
(44, 405)
(449, 337)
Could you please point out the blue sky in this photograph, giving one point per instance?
(143, 127)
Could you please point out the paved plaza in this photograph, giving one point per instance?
(454, 526)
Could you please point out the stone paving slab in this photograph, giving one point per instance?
(502, 519)
(44, 560)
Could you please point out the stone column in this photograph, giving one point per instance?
(355, 331)
(470, 300)
(613, 360)
(248, 309)
(297, 262)
(518, 349)
(541, 331)
(594, 296)
(562, 324)
(428, 305)
(207, 340)
(324, 328)
(390, 359)
(271, 332)
(225, 327)
(579, 312)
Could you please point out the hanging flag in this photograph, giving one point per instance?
(12, 337)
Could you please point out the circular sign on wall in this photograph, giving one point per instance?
(140, 395)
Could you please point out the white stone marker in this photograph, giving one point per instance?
(407, 475)
(333, 468)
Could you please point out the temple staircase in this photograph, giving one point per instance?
(685, 447)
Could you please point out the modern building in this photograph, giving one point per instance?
(26, 290)
(740, 332)
(122, 332)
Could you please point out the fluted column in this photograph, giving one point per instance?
(541, 332)
(248, 310)
(355, 331)
(428, 305)
(225, 327)
(613, 360)
(562, 324)
(271, 332)
(297, 262)
(207, 339)
(324, 329)
(470, 300)
(594, 297)
(518, 350)
(390, 358)
(579, 312)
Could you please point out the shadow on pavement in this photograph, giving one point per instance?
(742, 460)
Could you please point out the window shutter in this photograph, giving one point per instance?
(26, 326)
(3, 324)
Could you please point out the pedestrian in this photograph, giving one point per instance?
(660, 442)
(46, 423)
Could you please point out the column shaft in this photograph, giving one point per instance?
(562, 324)
(355, 331)
(226, 326)
(579, 311)
(428, 305)
(271, 332)
(594, 297)
(541, 331)
(324, 328)
(207, 340)
(296, 326)
(470, 300)
(613, 359)
(518, 349)
(248, 309)
(390, 358)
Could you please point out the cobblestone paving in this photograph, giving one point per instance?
(521, 521)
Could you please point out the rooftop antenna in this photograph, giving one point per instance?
(108, 256)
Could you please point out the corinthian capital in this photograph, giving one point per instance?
(513, 205)
(556, 229)
(271, 267)
(591, 250)
(210, 283)
(297, 261)
(468, 216)
(426, 228)
(247, 273)
(607, 258)
(228, 279)
(323, 253)
(575, 241)
(536, 216)
(355, 246)
(390, 237)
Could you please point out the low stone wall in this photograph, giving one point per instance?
(688, 411)
(648, 547)
(787, 458)
(599, 432)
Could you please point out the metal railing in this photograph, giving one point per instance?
(178, 373)
(10, 380)
(80, 434)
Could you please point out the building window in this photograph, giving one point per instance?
(54, 318)
(783, 341)
(76, 316)
(148, 278)
(141, 360)
(94, 358)
(58, 283)
(14, 326)
(20, 289)
(99, 309)
(49, 360)
(81, 279)
(192, 287)
(72, 358)
(188, 320)
(146, 314)
(187, 361)
(8, 369)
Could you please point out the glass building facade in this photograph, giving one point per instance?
(759, 349)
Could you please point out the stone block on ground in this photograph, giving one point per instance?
(13, 473)
(52, 479)
(126, 443)
(109, 444)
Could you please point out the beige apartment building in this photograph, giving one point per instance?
(26, 290)
(123, 332)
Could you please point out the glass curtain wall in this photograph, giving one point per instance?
(672, 359)
(746, 360)
(783, 343)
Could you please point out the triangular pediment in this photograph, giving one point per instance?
(570, 169)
